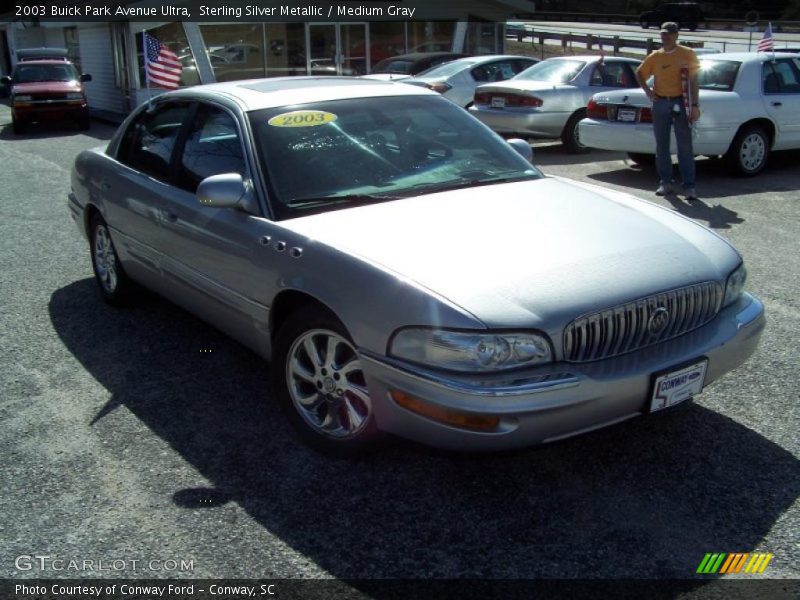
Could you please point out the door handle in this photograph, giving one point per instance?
(169, 216)
(777, 104)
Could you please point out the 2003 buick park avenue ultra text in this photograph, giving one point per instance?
(405, 269)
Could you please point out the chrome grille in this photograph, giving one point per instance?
(625, 328)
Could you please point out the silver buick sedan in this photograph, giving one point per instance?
(404, 269)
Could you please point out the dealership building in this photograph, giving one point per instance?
(230, 49)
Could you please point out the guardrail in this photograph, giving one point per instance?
(778, 25)
(614, 43)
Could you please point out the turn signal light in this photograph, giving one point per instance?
(448, 416)
(596, 111)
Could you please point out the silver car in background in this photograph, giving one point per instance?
(404, 269)
(750, 103)
(457, 79)
(549, 99)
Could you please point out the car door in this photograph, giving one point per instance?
(134, 193)
(217, 256)
(781, 89)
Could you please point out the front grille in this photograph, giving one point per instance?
(626, 328)
(45, 97)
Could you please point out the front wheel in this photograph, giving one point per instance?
(318, 379)
(748, 152)
(18, 126)
(570, 136)
(108, 273)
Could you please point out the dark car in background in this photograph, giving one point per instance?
(403, 66)
(687, 15)
(46, 86)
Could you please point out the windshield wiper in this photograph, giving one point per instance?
(455, 184)
(354, 199)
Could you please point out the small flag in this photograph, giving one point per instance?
(766, 44)
(161, 65)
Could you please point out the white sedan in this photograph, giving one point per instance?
(750, 105)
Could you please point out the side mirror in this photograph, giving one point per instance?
(5, 80)
(86, 77)
(221, 191)
(522, 147)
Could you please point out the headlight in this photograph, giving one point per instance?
(735, 285)
(470, 351)
(22, 98)
(74, 96)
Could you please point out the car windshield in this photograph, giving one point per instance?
(30, 73)
(327, 155)
(554, 71)
(717, 74)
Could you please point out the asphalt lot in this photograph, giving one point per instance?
(122, 440)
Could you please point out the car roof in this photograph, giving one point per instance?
(422, 55)
(476, 60)
(257, 94)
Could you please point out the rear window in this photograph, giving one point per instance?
(555, 71)
(717, 75)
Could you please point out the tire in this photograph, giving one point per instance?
(19, 127)
(318, 380)
(643, 160)
(748, 152)
(115, 286)
(644, 24)
(569, 136)
(84, 123)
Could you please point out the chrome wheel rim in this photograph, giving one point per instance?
(327, 385)
(752, 152)
(576, 136)
(105, 259)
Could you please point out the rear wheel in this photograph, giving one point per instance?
(570, 136)
(109, 275)
(748, 152)
(643, 160)
(318, 379)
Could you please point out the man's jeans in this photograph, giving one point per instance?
(663, 119)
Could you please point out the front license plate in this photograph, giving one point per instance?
(498, 102)
(676, 386)
(628, 115)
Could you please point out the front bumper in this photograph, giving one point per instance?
(562, 399)
(522, 121)
(50, 111)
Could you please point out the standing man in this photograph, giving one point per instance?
(669, 108)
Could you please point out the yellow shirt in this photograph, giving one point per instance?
(666, 67)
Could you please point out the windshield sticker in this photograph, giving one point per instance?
(302, 118)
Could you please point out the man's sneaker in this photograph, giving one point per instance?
(664, 189)
(690, 194)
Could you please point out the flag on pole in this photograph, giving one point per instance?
(766, 43)
(161, 65)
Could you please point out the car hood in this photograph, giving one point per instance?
(532, 254)
(49, 87)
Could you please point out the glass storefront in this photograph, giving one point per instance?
(256, 50)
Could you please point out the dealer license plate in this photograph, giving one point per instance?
(498, 102)
(676, 386)
(628, 115)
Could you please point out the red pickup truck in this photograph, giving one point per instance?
(46, 86)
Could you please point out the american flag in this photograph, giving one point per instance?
(161, 65)
(766, 44)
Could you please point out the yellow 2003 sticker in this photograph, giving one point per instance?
(302, 118)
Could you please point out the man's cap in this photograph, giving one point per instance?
(670, 27)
